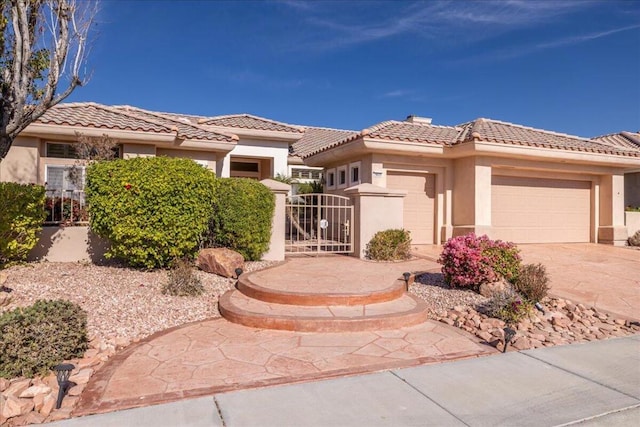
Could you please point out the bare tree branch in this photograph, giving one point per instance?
(43, 42)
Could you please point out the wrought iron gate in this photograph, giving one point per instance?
(319, 223)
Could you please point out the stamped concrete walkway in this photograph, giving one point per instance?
(602, 276)
(215, 356)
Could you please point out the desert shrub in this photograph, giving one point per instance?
(470, 260)
(508, 305)
(241, 219)
(182, 280)
(390, 245)
(151, 209)
(635, 239)
(34, 339)
(21, 218)
(533, 282)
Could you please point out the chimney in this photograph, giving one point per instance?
(418, 120)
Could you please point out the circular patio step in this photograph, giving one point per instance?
(319, 294)
(404, 311)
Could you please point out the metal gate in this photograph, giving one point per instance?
(318, 223)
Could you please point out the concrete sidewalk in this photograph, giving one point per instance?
(596, 383)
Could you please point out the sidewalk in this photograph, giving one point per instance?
(596, 383)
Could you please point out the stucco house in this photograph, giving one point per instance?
(238, 145)
(509, 181)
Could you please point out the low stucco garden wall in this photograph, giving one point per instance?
(632, 221)
(69, 244)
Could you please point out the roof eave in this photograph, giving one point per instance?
(257, 133)
(542, 153)
(41, 130)
(207, 145)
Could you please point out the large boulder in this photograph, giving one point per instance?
(220, 261)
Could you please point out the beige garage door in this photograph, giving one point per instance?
(536, 210)
(418, 204)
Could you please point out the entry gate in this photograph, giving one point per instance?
(318, 223)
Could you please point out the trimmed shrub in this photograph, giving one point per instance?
(182, 280)
(390, 245)
(470, 260)
(241, 219)
(34, 339)
(21, 218)
(508, 305)
(635, 239)
(151, 209)
(533, 282)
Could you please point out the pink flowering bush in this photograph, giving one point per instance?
(470, 260)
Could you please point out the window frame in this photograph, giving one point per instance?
(342, 172)
(331, 179)
(358, 167)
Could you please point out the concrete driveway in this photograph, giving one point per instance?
(602, 276)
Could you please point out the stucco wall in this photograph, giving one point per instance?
(632, 220)
(21, 163)
(254, 148)
(206, 158)
(69, 244)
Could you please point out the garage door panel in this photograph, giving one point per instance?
(537, 210)
(419, 205)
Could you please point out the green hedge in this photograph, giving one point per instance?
(243, 210)
(390, 245)
(151, 209)
(21, 217)
(38, 337)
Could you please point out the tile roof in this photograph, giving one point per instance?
(509, 133)
(247, 121)
(92, 115)
(623, 139)
(184, 125)
(317, 139)
(89, 114)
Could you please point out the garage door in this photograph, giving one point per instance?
(419, 203)
(536, 210)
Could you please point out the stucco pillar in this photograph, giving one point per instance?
(276, 245)
(472, 197)
(375, 209)
(612, 229)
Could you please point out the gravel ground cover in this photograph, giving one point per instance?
(120, 302)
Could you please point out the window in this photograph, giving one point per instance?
(342, 177)
(354, 173)
(61, 178)
(61, 151)
(331, 179)
(241, 168)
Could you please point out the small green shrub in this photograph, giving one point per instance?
(21, 217)
(635, 239)
(182, 280)
(241, 219)
(508, 305)
(533, 282)
(390, 245)
(34, 339)
(632, 208)
(151, 209)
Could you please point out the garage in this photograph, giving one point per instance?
(540, 210)
(419, 204)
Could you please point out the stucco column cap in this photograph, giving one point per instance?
(374, 190)
(276, 186)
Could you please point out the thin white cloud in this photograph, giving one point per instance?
(340, 25)
(398, 93)
(584, 37)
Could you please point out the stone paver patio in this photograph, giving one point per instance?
(216, 355)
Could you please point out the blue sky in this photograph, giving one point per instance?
(567, 66)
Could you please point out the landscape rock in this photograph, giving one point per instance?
(47, 405)
(220, 261)
(17, 387)
(488, 289)
(14, 406)
(4, 384)
(35, 390)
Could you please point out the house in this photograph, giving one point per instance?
(490, 177)
(239, 145)
(509, 181)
